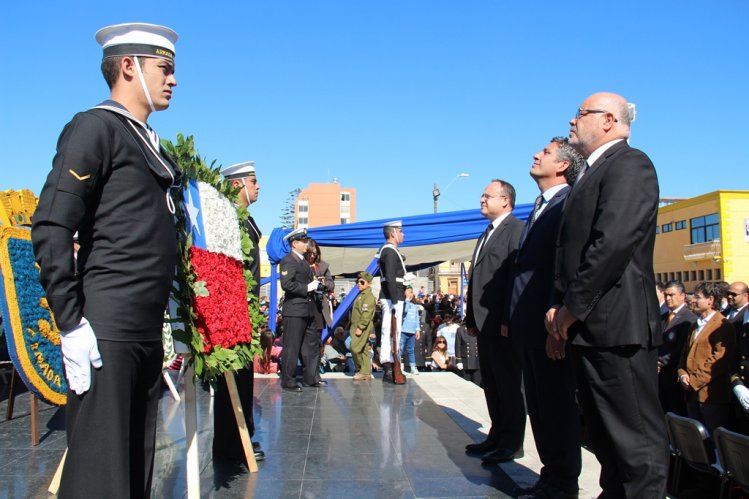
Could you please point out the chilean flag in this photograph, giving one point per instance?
(220, 305)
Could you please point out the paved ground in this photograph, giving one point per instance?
(350, 439)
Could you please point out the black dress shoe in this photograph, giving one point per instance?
(319, 384)
(501, 456)
(547, 491)
(295, 389)
(481, 448)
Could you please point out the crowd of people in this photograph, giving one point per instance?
(561, 312)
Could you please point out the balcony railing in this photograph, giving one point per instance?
(703, 251)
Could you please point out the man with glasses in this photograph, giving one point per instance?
(362, 324)
(489, 281)
(707, 362)
(605, 302)
(677, 324)
(737, 304)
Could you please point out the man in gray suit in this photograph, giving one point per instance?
(488, 290)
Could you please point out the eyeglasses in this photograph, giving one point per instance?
(584, 112)
(362, 282)
(733, 294)
(489, 196)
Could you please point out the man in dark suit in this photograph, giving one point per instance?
(604, 291)
(549, 380)
(488, 290)
(677, 324)
(737, 304)
(299, 338)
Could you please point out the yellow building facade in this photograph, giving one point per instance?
(705, 238)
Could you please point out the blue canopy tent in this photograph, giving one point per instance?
(429, 240)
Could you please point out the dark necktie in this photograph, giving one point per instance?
(583, 171)
(482, 240)
(536, 206)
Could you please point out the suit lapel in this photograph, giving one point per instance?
(495, 234)
(558, 198)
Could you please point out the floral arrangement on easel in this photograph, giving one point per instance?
(216, 310)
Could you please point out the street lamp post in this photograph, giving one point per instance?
(435, 196)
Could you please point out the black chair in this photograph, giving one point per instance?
(733, 451)
(692, 446)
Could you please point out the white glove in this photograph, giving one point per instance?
(742, 393)
(312, 286)
(459, 365)
(79, 352)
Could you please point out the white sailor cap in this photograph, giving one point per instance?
(148, 40)
(394, 223)
(240, 170)
(296, 235)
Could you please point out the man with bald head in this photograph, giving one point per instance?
(605, 301)
(737, 304)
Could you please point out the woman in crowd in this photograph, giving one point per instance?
(411, 330)
(271, 356)
(323, 312)
(707, 360)
(441, 361)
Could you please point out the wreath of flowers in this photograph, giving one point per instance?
(201, 303)
(32, 335)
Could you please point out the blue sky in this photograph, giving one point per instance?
(391, 96)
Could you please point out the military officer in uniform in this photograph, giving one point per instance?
(362, 323)
(299, 337)
(392, 293)
(226, 441)
(110, 181)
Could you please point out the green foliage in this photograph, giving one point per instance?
(219, 360)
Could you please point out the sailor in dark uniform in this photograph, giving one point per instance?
(300, 339)
(392, 293)
(226, 441)
(110, 181)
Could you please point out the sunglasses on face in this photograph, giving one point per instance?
(441, 341)
(362, 282)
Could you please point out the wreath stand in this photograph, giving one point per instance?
(34, 406)
(192, 456)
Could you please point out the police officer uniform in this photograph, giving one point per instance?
(362, 317)
(299, 337)
(392, 295)
(110, 181)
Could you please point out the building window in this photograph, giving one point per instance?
(678, 276)
(657, 230)
(671, 276)
(686, 276)
(303, 221)
(717, 275)
(705, 229)
(702, 276)
(709, 274)
(693, 275)
(681, 225)
(667, 227)
(345, 197)
(303, 208)
(345, 221)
